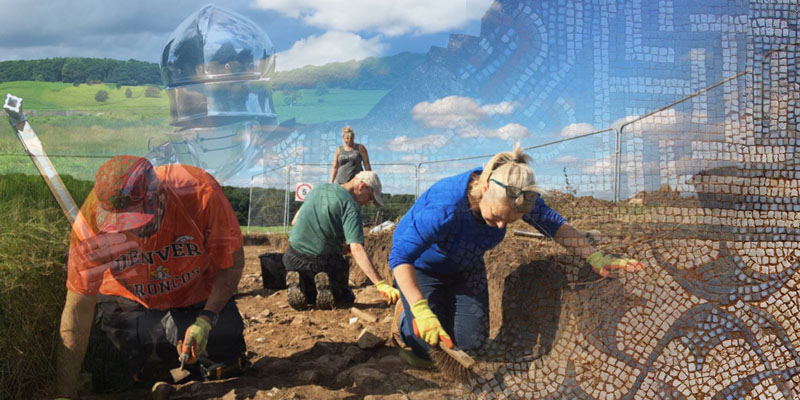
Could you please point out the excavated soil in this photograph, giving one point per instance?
(313, 354)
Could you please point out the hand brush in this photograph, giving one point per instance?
(454, 363)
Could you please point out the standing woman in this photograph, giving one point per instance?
(348, 158)
(438, 247)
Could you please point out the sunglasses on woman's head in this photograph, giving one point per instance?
(514, 192)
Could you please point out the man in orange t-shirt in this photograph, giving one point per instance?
(161, 262)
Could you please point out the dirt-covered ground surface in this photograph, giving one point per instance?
(315, 354)
(312, 354)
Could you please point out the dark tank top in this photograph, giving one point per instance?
(349, 164)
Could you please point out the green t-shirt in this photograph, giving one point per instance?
(329, 218)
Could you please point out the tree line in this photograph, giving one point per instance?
(82, 70)
(370, 73)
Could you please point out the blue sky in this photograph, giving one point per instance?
(303, 31)
(542, 71)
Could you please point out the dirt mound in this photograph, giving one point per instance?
(279, 242)
(378, 246)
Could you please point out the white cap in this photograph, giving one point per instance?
(371, 179)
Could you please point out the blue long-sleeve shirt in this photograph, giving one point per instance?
(440, 233)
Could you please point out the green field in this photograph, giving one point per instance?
(80, 133)
(336, 105)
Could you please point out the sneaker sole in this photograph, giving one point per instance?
(295, 296)
(324, 295)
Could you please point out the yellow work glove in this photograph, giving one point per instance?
(427, 326)
(196, 339)
(391, 294)
(602, 263)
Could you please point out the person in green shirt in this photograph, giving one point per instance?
(330, 218)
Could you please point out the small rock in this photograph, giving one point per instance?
(193, 387)
(266, 313)
(394, 396)
(367, 377)
(355, 354)
(368, 340)
(308, 376)
(336, 363)
(391, 360)
(161, 391)
(363, 315)
(299, 320)
(276, 366)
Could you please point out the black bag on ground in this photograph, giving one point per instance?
(273, 273)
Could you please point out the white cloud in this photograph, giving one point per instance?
(600, 167)
(576, 129)
(503, 108)
(462, 112)
(329, 47)
(406, 144)
(567, 159)
(512, 131)
(448, 110)
(387, 17)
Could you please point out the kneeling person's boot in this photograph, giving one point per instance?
(324, 294)
(297, 299)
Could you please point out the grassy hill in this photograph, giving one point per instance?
(336, 105)
(65, 96)
(73, 125)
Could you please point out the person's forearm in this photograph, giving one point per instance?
(225, 283)
(362, 260)
(76, 324)
(574, 241)
(365, 159)
(406, 278)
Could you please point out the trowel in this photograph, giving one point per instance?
(178, 374)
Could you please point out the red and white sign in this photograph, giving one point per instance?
(301, 191)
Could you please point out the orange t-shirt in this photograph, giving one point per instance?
(176, 266)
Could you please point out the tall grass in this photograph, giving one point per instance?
(33, 248)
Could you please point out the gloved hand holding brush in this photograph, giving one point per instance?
(427, 326)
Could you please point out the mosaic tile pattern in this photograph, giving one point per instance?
(709, 190)
(712, 208)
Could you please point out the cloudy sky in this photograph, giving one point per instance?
(303, 31)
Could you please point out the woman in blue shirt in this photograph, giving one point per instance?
(438, 247)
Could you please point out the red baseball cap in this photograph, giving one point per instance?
(127, 192)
